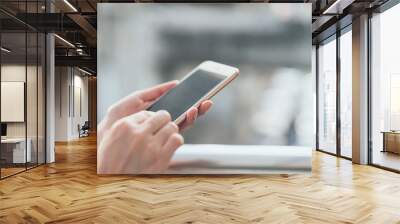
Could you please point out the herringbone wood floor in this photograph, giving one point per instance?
(69, 191)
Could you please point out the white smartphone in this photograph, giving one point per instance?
(202, 83)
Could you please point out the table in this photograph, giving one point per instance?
(240, 159)
(391, 141)
(13, 150)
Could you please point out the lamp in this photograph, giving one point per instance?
(64, 40)
(5, 50)
(70, 5)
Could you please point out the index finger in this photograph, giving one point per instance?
(155, 92)
(157, 121)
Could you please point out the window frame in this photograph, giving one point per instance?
(333, 37)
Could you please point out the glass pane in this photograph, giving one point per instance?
(327, 96)
(346, 93)
(31, 87)
(314, 77)
(13, 86)
(32, 95)
(386, 89)
(41, 98)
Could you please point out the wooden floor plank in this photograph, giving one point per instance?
(69, 191)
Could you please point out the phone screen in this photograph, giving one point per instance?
(178, 100)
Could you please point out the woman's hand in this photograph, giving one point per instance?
(140, 100)
(141, 143)
(132, 140)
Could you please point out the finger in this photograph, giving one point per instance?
(191, 116)
(136, 102)
(125, 107)
(157, 121)
(165, 132)
(140, 117)
(155, 92)
(134, 119)
(205, 106)
(173, 143)
(168, 150)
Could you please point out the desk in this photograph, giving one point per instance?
(13, 150)
(391, 141)
(240, 159)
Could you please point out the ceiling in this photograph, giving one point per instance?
(76, 21)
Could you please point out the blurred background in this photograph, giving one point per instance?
(271, 102)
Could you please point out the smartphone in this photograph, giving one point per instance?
(202, 83)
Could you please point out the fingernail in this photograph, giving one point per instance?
(148, 112)
(164, 112)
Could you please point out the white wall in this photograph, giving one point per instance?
(79, 117)
(12, 73)
(70, 83)
(16, 73)
(33, 126)
(61, 103)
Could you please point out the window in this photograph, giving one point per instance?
(327, 96)
(22, 88)
(385, 89)
(346, 93)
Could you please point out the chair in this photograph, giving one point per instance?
(84, 130)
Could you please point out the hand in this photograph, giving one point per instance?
(132, 104)
(122, 151)
(140, 143)
(140, 100)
